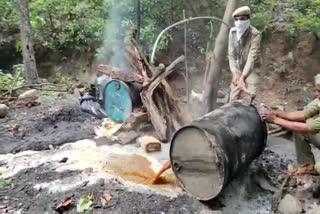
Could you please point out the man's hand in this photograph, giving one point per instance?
(268, 115)
(242, 84)
(235, 78)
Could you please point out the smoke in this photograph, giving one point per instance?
(115, 31)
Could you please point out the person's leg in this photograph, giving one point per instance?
(303, 149)
(315, 140)
(252, 83)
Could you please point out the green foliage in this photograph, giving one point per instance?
(59, 24)
(18, 45)
(72, 24)
(37, 22)
(308, 16)
(75, 24)
(157, 15)
(8, 18)
(4, 182)
(84, 204)
(19, 69)
(8, 81)
(261, 13)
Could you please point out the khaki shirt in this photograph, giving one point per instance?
(312, 115)
(243, 55)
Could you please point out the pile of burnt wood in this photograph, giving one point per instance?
(165, 111)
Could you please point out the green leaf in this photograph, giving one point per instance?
(8, 80)
(37, 22)
(84, 203)
(5, 182)
(18, 45)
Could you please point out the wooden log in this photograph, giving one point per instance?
(120, 74)
(213, 149)
(165, 111)
(149, 144)
(161, 119)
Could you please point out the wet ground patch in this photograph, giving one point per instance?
(24, 195)
(137, 169)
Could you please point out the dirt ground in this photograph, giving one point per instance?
(58, 120)
(40, 180)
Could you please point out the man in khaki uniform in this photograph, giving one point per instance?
(305, 124)
(243, 54)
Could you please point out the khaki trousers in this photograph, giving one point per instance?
(303, 148)
(252, 83)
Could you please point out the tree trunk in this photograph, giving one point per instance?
(29, 61)
(216, 61)
(138, 19)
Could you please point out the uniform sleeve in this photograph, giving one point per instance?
(312, 109)
(314, 124)
(232, 55)
(253, 55)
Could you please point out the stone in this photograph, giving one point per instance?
(102, 141)
(135, 120)
(315, 208)
(29, 95)
(145, 127)
(290, 205)
(38, 188)
(63, 160)
(100, 182)
(127, 137)
(290, 56)
(88, 170)
(3, 110)
(149, 144)
(80, 85)
(317, 166)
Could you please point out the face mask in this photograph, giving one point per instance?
(317, 79)
(241, 27)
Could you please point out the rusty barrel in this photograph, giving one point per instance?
(209, 152)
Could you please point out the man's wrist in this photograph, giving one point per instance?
(275, 120)
(242, 77)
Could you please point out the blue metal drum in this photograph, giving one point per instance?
(119, 100)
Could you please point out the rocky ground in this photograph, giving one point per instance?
(37, 178)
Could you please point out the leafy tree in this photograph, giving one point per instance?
(60, 24)
(308, 16)
(78, 24)
(8, 19)
(261, 13)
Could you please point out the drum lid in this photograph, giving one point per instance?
(198, 162)
(117, 101)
